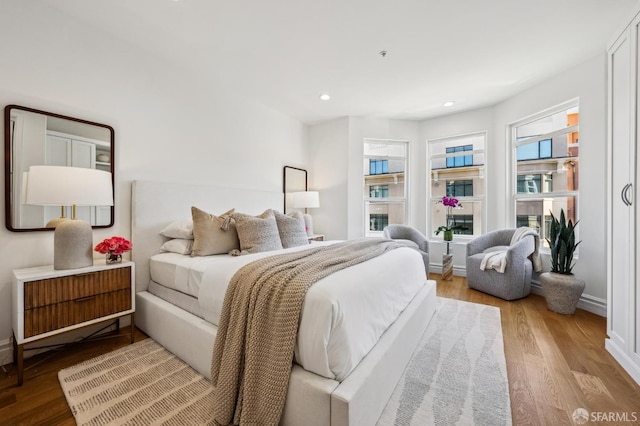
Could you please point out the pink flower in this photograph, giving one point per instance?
(114, 245)
(450, 201)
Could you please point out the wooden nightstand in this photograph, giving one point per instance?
(48, 302)
(316, 237)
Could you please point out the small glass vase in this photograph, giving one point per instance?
(448, 235)
(113, 258)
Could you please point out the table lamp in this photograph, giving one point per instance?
(306, 200)
(70, 186)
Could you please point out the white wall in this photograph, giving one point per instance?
(586, 81)
(336, 150)
(328, 169)
(170, 125)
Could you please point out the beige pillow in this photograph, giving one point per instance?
(209, 237)
(257, 233)
(291, 229)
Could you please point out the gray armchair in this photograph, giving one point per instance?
(410, 237)
(515, 282)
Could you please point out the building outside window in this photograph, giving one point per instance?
(459, 160)
(546, 167)
(377, 222)
(385, 192)
(379, 191)
(460, 188)
(456, 168)
(465, 220)
(378, 167)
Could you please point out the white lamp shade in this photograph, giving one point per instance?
(67, 186)
(306, 200)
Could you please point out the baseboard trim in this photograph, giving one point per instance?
(6, 352)
(589, 303)
(623, 359)
(6, 347)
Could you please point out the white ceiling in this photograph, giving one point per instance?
(285, 53)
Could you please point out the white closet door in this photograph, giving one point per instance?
(622, 233)
(635, 293)
(83, 154)
(57, 153)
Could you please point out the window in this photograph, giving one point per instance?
(460, 160)
(534, 150)
(546, 167)
(379, 191)
(460, 188)
(456, 168)
(532, 222)
(465, 220)
(385, 188)
(378, 167)
(377, 222)
(534, 184)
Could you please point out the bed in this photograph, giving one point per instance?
(350, 388)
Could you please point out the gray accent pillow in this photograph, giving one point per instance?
(291, 229)
(209, 235)
(257, 233)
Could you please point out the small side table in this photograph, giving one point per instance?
(447, 264)
(47, 302)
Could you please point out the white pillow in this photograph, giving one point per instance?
(178, 245)
(179, 229)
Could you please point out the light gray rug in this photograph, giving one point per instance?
(457, 376)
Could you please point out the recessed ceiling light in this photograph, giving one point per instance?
(448, 104)
(325, 97)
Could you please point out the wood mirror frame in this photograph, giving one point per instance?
(96, 139)
(293, 180)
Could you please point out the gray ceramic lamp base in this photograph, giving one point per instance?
(72, 245)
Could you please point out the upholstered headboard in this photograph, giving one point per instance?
(156, 204)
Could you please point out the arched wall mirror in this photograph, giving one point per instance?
(293, 180)
(34, 137)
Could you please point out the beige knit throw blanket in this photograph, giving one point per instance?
(254, 347)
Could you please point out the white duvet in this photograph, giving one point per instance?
(343, 315)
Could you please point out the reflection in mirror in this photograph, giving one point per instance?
(293, 180)
(34, 137)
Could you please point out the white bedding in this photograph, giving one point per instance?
(343, 315)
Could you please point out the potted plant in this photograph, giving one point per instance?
(560, 287)
(450, 203)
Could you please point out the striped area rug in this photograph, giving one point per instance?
(456, 376)
(139, 384)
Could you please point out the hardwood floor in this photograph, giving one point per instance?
(555, 364)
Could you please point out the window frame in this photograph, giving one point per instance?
(430, 199)
(512, 178)
(404, 200)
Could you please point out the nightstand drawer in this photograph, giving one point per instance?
(47, 302)
(51, 291)
(56, 316)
